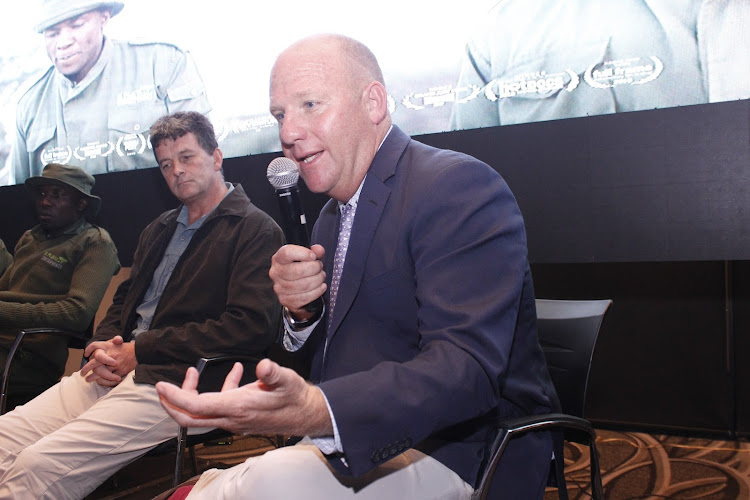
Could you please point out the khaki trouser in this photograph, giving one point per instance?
(70, 439)
(301, 472)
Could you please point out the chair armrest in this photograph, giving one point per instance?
(182, 437)
(216, 359)
(56, 331)
(510, 427)
(22, 333)
(561, 421)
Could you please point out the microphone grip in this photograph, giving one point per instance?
(315, 307)
(293, 217)
(295, 230)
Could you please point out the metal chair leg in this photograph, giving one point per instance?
(6, 370)
(179, 459)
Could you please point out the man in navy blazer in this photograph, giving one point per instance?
(433, 329)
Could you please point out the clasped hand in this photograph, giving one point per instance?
(109, 361)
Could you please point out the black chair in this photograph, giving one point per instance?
(567, 332)
(76, 340)
(184, 441)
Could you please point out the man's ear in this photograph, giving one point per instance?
(377, 102)
(106, 16)
(82, 204)
(218, 157)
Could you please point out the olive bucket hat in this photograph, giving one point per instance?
(70, 176)
(56, 11)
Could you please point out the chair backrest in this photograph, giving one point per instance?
(75, 351)
(567, 333)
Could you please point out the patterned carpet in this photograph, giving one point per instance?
(637, 465)
(634, 466)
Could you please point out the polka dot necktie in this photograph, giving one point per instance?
(345, 230)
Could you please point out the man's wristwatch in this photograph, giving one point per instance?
(298, 325)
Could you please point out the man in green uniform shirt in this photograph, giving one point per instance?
(93, 107)
(60, 271)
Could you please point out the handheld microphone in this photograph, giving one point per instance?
(283, 174)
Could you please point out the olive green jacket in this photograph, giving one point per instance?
(57, 281)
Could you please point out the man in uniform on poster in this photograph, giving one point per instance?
(96, 102)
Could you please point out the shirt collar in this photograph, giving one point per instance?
(74, 228)
(182, 217)
(354, 199)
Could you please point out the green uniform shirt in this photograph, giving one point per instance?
(101, 124)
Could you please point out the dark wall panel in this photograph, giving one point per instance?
(740, 308)
(661, 185)
(661, 359)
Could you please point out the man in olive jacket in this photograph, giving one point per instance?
(199, 286)
(57, 278)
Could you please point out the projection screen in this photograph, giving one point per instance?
(447, 65)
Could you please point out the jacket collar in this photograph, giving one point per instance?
(384, 164)
(233, 204)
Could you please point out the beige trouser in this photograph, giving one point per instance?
(71, 438)
(301, 472)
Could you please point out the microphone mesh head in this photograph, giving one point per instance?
(282, 173)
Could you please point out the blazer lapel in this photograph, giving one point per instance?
(372, 202)
(325, 234)
(369, 209)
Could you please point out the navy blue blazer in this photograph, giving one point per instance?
(435, 324)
